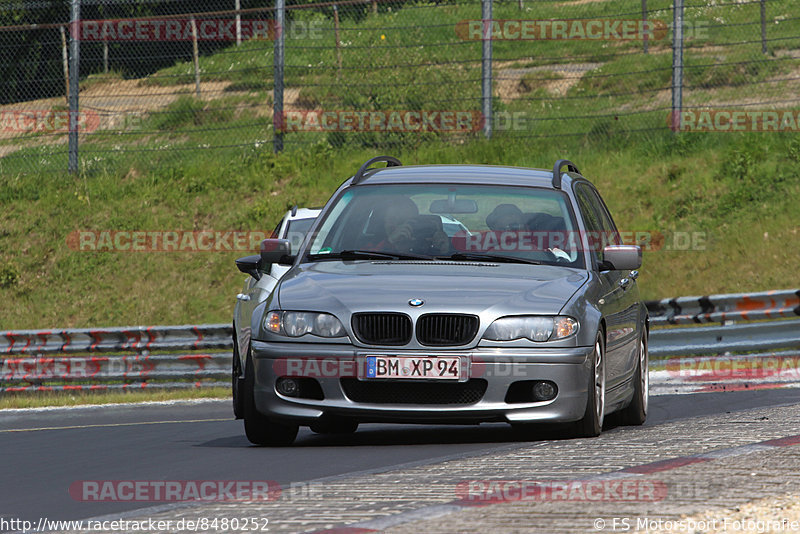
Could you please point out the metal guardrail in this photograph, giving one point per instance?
(773, 310)
(721, 308)
(121, 367)
(120, 371)
(721, 339)
(58, 360)
(79, 359)
(131, 338)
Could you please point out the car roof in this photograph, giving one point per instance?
(462, 174)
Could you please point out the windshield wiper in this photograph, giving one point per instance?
(473, 256)
(368, 255)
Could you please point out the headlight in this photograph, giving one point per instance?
(296, 324)
(533, 327)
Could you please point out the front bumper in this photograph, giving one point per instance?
(328, 364)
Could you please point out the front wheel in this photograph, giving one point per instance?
(592, 423)
(636, 412)
(259, 429)
(237, 382)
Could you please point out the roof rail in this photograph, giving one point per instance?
(390, 162)
(571, 167)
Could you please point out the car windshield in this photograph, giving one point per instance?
(442, 221)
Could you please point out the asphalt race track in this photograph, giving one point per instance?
(44, 452)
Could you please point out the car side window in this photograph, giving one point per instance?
(276, 232)
(591, 219)
(606, 231)
(610, 233)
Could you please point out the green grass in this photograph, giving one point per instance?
(740, 189)
(207, 163)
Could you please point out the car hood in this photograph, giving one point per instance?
(457, 287)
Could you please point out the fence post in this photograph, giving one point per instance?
(74, 80)
(764, 26)
(677, 64)
(195, 58)
(65, 62)
(336, 35)
(238, 6)
(277, 95)
(646, 27)
(486, 67)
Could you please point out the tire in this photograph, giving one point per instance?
(334, 427)
(636, 412)
(237, 382)
(592, 423)
(259, 429)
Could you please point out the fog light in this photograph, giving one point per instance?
(288, 387)
(544, 391)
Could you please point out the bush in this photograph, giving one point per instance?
(9, 276)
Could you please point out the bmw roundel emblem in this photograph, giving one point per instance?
(416, 302)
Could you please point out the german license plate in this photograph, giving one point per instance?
(420, 367)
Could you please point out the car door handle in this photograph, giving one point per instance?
(624, 283)
(243, 297)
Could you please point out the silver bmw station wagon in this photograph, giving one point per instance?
(444, 294)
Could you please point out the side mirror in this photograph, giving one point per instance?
(276, 251)
(250, 265)
(622, 257)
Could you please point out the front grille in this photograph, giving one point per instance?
(404, 392)
(441, 329)
(382, 328)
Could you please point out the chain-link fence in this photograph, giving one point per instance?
(157, 80)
